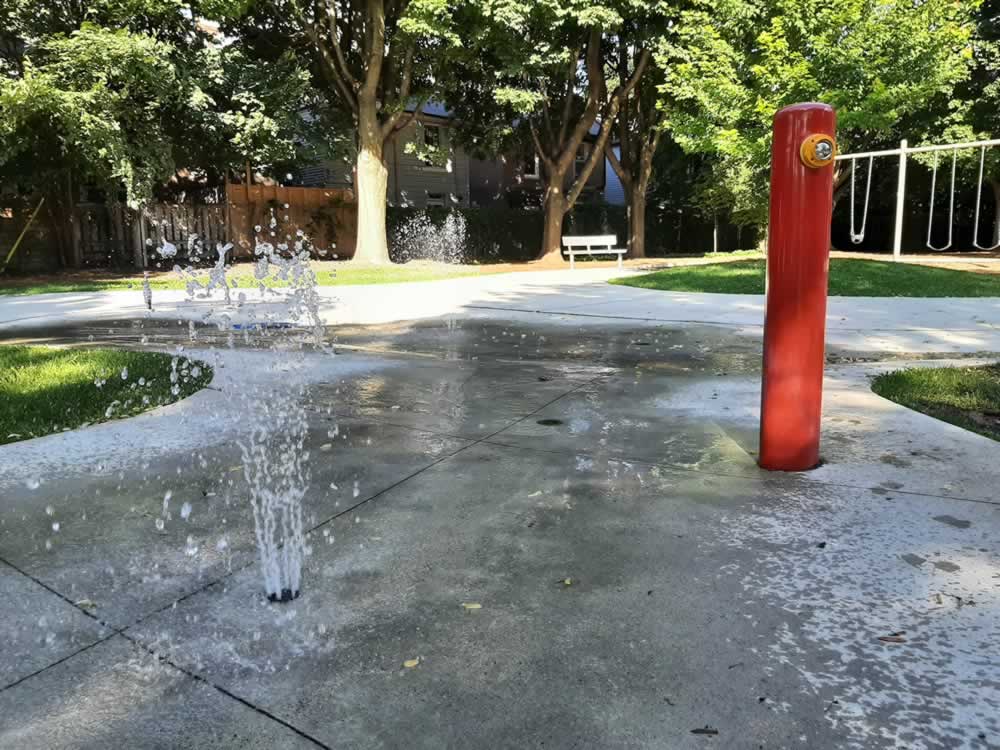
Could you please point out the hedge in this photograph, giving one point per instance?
(500, 234)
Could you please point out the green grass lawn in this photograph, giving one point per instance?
(965, 396)
(848, 278)
(45, 390)
(242, 276)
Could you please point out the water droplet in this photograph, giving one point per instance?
(33, 483)
(49, 510)
(159, 524)
(185, 511)
(124, 373)
(55, 526)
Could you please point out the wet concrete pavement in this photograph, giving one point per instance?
(592, 488)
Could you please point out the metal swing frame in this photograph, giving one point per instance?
(902, 153)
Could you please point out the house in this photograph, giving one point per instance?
(413, 181)
(515, 180)
(457, 179)
(614, 191)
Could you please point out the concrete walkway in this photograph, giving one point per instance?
(559, 297)
(587, 480)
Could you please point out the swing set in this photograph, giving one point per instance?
(857, 233)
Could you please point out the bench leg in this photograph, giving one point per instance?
(571, 265)
(619, 261)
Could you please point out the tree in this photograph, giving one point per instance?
(92, 108)
(377, 58)
(640, 124)
(890, 68)
(537, 71)
(121, 94)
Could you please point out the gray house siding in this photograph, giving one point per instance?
(614, 192)
(507, 181)
(415, 183)
(411, 181)
(328, 174)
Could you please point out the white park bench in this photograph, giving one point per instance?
(599, 244)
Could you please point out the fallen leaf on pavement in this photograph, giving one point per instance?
(705, 730)
(411, 663)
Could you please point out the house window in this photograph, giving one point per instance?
(432, 143)
(435, 199)
(530, 167)
(432, 136)
(580, 161)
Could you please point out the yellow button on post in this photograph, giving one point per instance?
(818, 150)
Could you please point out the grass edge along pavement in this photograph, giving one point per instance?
(968, 397)
(44, 390)
(241, 276)
(328, 273)
(849, 277)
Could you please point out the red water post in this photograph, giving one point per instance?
(798, 258)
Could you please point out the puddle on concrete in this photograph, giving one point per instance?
(958, 523)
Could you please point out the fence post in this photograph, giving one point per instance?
(138, 247)
(897, 236)
(798, 254)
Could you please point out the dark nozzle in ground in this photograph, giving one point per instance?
(286, 596)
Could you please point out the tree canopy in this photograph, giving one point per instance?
(122, 93)
(678, 95)
(891, 68)
(538, 78)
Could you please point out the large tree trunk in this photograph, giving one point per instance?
(372, 183)
(555, 211)
(637, 223)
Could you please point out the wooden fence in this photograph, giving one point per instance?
(324, 219)
(102, 235)
(185, 226)
(327, 218)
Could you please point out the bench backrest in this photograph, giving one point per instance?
(597, 240)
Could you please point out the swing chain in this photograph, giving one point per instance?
(979, 200)
(951, 204)
(858, 236)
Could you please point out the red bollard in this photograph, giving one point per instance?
(798, 256)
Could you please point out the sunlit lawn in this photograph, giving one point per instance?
(45, 390)
(242, 276)
(848, 278)
(966, 396)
